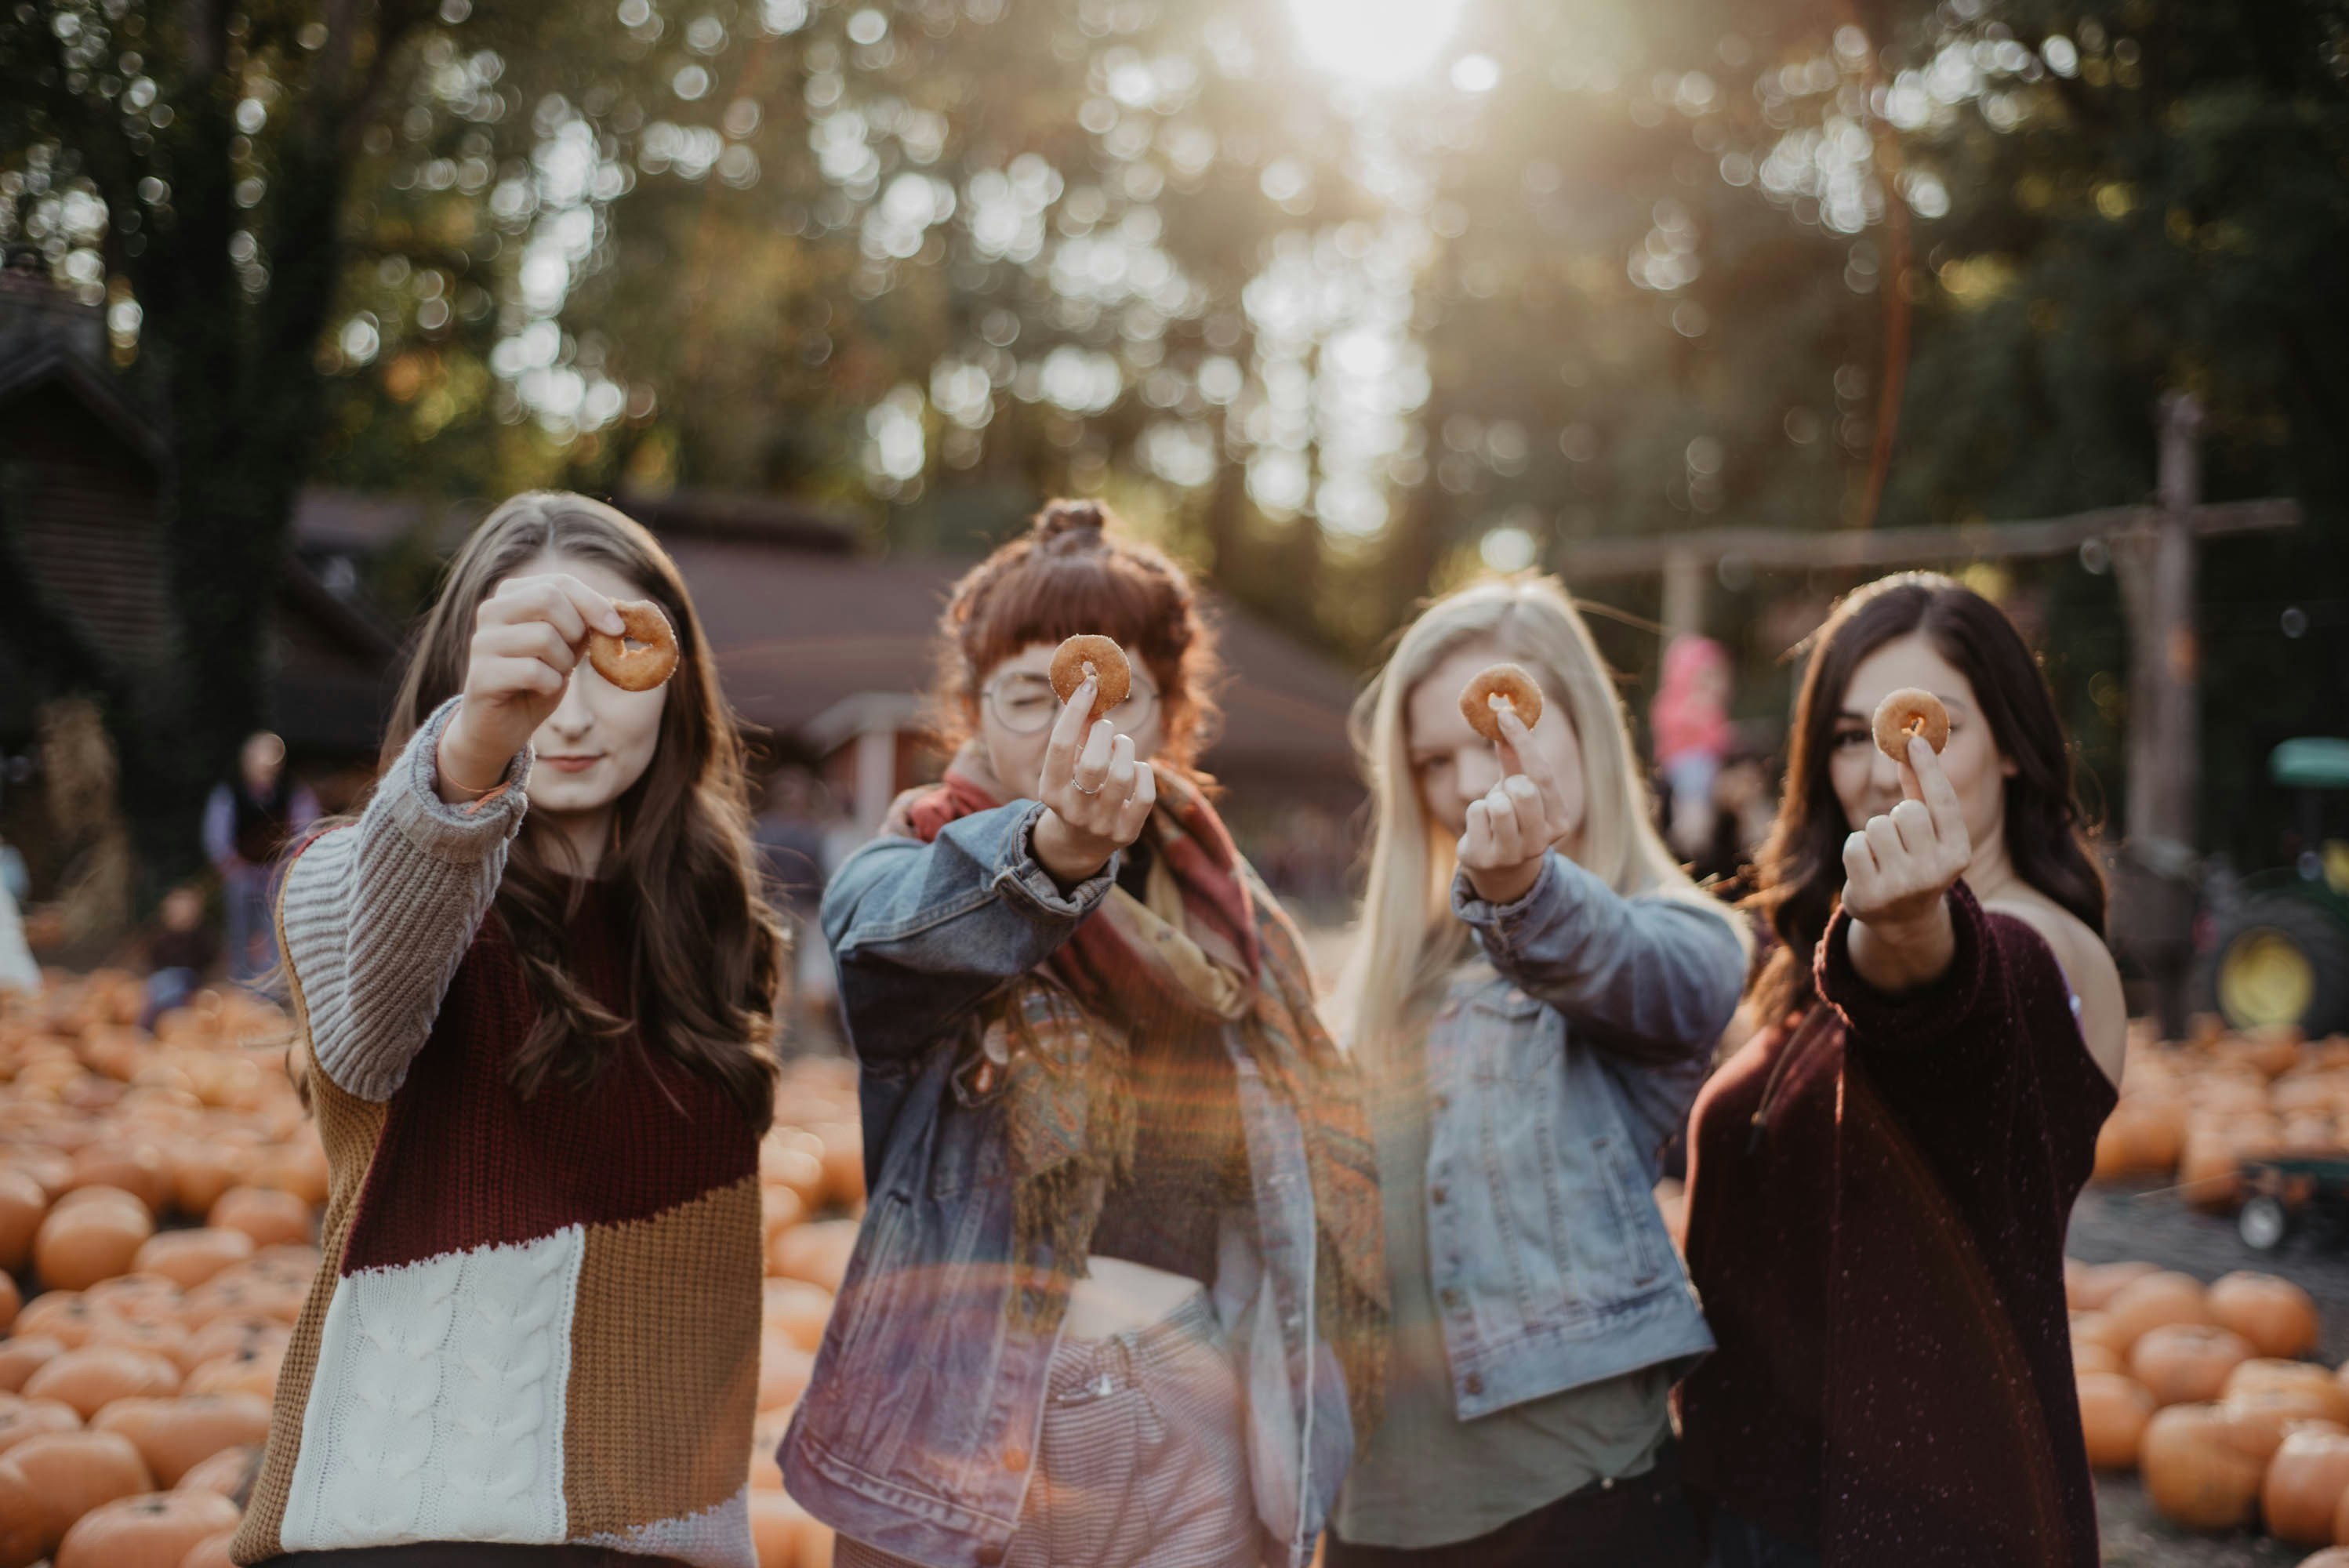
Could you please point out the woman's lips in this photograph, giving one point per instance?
(571, 764)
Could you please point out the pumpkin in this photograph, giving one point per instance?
(2275, 1416)
(2113, 1414)
(79, 1245)
(790, 1158)
(2305, 1485)
(137, 1169)
(2098, 1283)
(228, 1472)
(774, 1527)
(766, 1437)
(202, 1168)
(2331, 1557)
(138, 1297)
(21, 1356)
(2089, 1357)
(22, 1203)
(817, 1253)
(844, 1163)
(298, 1167)
(798, 1311)
(21, 1521)
(2315, 1389)
(2187, 1363)
(73, 1472)
(252, 1370)
(211, 1552)
(173, 1436)
(784, 1371)
(154, 1531)
(95, 1375)
(2276, 1316)
(2153, 1301)
(265, 1213)
(780, 1208)
(2202, 1466)
(226, 1335)
(188, 1258)
(21, 1418)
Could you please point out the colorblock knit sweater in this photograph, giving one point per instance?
(537, 1320)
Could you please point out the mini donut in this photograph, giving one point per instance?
(641, 668)
(1501, 683)
(1099, 657)
(1908, 712)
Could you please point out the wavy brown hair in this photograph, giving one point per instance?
(1075, 572)
(706, 959)
(1800, 872)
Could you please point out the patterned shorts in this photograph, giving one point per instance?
(1142, 1462)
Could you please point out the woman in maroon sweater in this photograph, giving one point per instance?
(1880, 1181)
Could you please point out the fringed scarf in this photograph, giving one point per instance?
(1208, 946)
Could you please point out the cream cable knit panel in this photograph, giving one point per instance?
(436, 1410)
(378, 915)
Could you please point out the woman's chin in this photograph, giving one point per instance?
(560, 796)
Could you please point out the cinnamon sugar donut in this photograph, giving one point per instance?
(1908, 712)
(640, 668)
(1503, 683)
(1099, 657)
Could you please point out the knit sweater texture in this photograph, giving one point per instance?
(537, 1321)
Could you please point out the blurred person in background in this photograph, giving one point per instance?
(17, 970)
(182, 948)
(796, 838)
(249, 821)
(1690, 721)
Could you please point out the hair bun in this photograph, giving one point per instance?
(1060, 517)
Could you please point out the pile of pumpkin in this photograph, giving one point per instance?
(2195, 1109)
(161, 1192)
(2203, 1391)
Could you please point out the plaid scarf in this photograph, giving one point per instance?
(1207, 947)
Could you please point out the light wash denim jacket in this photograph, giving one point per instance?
(1552, 1267)
(917, 1433)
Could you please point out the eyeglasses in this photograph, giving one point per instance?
(1025, 704)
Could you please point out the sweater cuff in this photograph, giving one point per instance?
(464, 832)
(1911, 1019)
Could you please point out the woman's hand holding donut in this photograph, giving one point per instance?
(1512, 828)
(528, 636)
(1096, 795)
(1897, 873)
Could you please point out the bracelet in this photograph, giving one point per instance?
(442, 774)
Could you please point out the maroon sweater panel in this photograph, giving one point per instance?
(1883, 1265)
(466, 1162)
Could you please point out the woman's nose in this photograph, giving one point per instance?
(1883, 773)
(1478, 770)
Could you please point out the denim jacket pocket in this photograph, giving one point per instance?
(1513, 1041)
(1635, 1220)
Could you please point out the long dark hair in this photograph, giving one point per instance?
(1070, 573)
(1800, 869)
(707, 951)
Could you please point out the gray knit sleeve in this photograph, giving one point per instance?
(378, 914)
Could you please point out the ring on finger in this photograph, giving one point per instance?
(1082, 791)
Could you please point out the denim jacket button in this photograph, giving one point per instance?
(1449, 1297)
(1015, 1457)
(1439, 1193)
(1473, 1383)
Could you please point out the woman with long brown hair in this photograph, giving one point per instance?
(1880, 1180)
(536, 985)
(1119, 1295)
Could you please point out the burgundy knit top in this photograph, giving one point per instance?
(1877, 1207)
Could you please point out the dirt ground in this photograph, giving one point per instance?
(2113, 1222)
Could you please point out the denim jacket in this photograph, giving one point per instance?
(1556, 1080)
(918, 1429)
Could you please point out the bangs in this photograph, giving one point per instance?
(1068, 596)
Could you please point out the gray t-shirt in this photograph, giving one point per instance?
(1426, 1477)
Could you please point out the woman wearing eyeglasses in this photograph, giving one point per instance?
(1120, 1292)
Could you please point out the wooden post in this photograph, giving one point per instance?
(1683, 606)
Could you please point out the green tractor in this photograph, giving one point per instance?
(2281, 952)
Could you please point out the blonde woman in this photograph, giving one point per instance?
(1534, 998)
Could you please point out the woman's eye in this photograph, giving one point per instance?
(1846, 738)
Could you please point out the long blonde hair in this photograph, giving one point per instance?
(1409, 940)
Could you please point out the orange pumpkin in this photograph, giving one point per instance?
(173, 1436)
(2153, 1301)
(2095, 1285)
(22, 1355)
(2187, 1363)
(780, 1531)
(2202, 1466)
(95, 1375)
(2275, 1416)
(138, 1297)
(136, 1168)
(21, 1418)
(2314, 1388)
(298, 1167)
(211, 1552)
(227, 1334)
(154, 1531)
(2276, 1316)
(228, 1472)
(22, 1203)
(2089, 1357)
(2113, 1414)
(21, 1521)
(73, 1472)
(252, 1370)
(798, 1311)
(817, 1253)
(2305, 1485)
(265, 1213)
(784, 1371)
(79, 1245)
(789, 1157)
(188, 1258)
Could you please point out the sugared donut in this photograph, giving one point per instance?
(1908, 712)
(1099, 657)
(1498, 683)
(638, 668)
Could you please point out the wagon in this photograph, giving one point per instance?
(2288, 1193)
